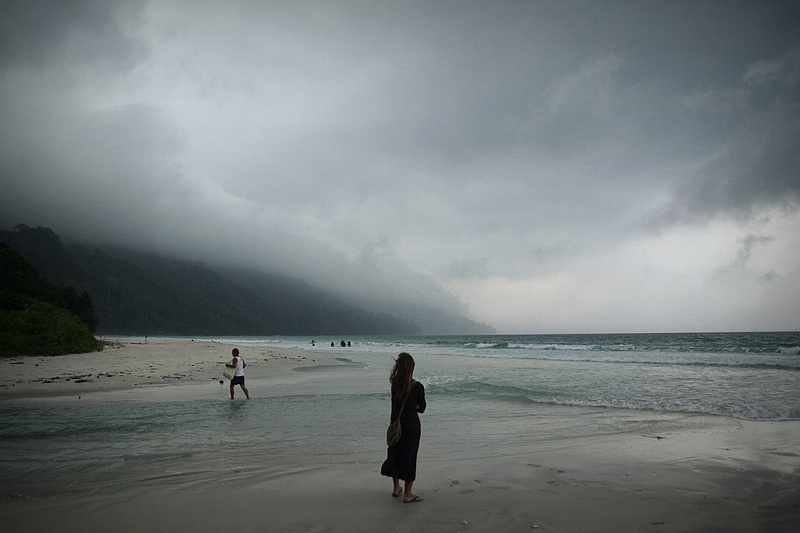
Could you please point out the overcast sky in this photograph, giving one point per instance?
(544, 167)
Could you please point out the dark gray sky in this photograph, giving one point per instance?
(542, 166)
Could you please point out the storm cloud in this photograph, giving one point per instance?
(541, 167)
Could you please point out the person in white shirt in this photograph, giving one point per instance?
(238, 377)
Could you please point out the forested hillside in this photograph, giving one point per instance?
(37, 317)
(137, 293)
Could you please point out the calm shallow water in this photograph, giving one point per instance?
(58, 449)
(51, 447)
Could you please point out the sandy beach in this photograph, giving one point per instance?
(133, 367)
(661, 472)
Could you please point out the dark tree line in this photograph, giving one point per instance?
(38, 317)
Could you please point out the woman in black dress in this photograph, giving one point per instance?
(401, 460)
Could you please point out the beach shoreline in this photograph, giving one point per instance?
(653, 471)
(141, 364)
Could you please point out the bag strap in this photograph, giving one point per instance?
(403, 405)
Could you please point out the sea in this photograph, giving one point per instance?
(753, 376)
(485, 394)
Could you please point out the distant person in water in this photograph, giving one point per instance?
(238, 376)
(401, 460)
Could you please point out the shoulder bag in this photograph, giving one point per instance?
(230, 371)
(394, 431)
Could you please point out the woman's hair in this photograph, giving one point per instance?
(400, 378)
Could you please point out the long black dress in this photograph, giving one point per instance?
(401, 459)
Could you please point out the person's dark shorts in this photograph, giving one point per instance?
(237, 380)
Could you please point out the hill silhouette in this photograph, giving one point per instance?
(141, 293)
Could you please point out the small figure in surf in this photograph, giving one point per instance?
(238, 377)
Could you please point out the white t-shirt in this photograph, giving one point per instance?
(239, 366)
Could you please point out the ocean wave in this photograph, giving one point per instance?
(756, 361)
(785, 344)
(742, 409)
(485, 345)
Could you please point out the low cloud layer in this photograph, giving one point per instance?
(574, 166)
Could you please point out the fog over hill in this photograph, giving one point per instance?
(137, 292)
